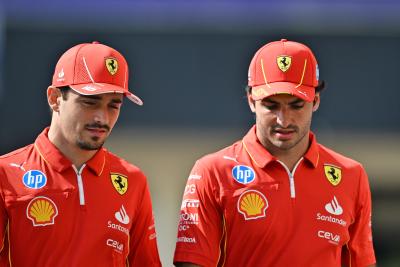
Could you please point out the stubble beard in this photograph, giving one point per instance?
(94, 142)
(87, 145)
(279, 146)
(302, 133)
(288, 145)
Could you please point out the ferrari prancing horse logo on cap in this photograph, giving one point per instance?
(120, 182)
(284, 62)
(333, 174)
(112, 65)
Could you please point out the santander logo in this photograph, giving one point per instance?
(333, 207)
(122, 216)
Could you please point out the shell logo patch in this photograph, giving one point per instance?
(284, 62)
(112, 65)
(252, 204)
(333, 174)
(120, 182)
(41, 211)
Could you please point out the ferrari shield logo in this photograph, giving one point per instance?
(120, 182)
(112, 65)
(284, 62)
(333, 174)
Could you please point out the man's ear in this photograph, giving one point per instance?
(251, 102)
(54, 98)
(316, 102)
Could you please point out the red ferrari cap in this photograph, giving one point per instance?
(92, 69)
(284, 67)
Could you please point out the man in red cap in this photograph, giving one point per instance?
(277, 197)
(65, 200)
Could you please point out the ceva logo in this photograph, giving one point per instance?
(116, 245)
(332, 238)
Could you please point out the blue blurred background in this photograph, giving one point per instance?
(188, 62)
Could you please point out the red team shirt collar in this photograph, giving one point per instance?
(50, 153)
(262, 157)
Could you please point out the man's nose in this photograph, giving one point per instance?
(101, 116)
(283, 117)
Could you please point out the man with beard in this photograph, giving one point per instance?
(65, 200)
(277, 197)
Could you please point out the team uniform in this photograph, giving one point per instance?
(243, 207)
(52, 214)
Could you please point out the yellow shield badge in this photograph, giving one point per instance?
(120, 182)
(333, 174)
(112, 65)
(284, 62)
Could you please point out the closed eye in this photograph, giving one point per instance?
(271, 107)
(89, 103)
(297, 106)
(274, 105)
(89, 100)
(113, 106)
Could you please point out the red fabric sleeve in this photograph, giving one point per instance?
(143, 243)
(360, 247)
(200, 225)
(3, 225)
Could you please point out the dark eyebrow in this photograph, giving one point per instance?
(116, 100)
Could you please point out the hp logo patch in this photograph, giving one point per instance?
(243, 174)
(34, 179)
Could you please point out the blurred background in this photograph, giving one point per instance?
(189, 61)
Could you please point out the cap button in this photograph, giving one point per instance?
(95, 42)
(283, 40)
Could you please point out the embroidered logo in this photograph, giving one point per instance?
(41, 211)
(112, 65)
(333, 174)
(122, 216)
(284, 62)
(194, 177)
(19, 166)
(89, 88)
(34, 179)
(333, 207)
(252, 204)
(60, 75)
(243, 174)
(120, 182)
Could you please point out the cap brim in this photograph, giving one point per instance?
(104, 88)
(306, 93)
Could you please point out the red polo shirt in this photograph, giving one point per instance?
(242, 207)
(54, 215)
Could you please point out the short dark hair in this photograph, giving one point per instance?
(64, 91)
(321, 86)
